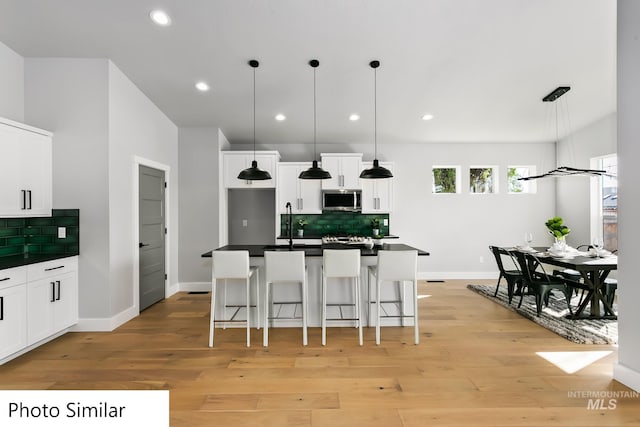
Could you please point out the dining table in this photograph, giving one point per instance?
(593, 270)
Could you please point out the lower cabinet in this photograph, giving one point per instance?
(42, 304)
(13, 319)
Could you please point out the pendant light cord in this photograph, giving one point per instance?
(314, 114)
(254, 113)
(375, 114)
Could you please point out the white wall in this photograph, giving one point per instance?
(198, 172)
(573, 197)
(628, 369)
(136, 128)
(69, 97)
(11, 84)
(456, 228)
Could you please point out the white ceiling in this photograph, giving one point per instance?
(481, 67)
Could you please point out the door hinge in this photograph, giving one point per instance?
(165, 184)
(165, 230)
(165, 276)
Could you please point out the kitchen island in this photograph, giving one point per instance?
(335, 292)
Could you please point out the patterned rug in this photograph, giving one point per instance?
(584, 331)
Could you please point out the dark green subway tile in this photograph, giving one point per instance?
(37, 222)
(10, 232)
(50, 231)
(11, 250)
(41, 239)
(3, 223)
(51, 249)
(32, 231)
(65, 221)
(72, 249)
(68, 239)
(11, 241)
(15, 222)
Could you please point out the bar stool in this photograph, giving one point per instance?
(399, 267)
(341, 263)
(233, 265)
(284, 268)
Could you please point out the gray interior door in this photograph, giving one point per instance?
(152, 235)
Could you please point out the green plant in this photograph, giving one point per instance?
(374, 223)
(557, 228)
(301, 223)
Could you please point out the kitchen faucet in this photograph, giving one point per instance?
(290, 223)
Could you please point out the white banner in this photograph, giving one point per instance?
(86, 408)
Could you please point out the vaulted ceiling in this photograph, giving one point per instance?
(480, 67)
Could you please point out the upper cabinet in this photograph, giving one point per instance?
(25, 170)
(345, 170)
(235, 161)
(377, 194)
(305, 195)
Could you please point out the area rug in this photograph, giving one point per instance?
(583, 331)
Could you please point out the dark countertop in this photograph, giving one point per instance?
(314, 236)
(316, 250)
(20, 260)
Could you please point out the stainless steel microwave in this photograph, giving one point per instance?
(342, 200)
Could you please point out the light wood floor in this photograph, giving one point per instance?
(476, 365)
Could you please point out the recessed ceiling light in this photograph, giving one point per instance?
(427, 117)
(280, 117)
(160, 17)
(202, 86)
(354, 117)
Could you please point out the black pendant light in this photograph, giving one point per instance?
(314, 172)
(253, 173)
(377, 171)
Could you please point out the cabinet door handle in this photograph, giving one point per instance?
(54, 268)
(6, 278)
(24, 199)
(1, 308)
(53, 291)
(29, 193)
(59, 293)
(301, 204)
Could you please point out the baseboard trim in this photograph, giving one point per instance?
(457, 275)
(106, 324)
(627, 376)
(194, 286)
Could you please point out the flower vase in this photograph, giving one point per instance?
(300, 232)
(561, 244)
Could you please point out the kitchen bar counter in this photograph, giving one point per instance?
(316, 250)
(20, 260)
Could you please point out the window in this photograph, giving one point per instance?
(604, 201)
(482, 180)
(519, 187)
(446, 179)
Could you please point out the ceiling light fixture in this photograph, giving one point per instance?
(160, 17)
(280, 117)
(377, 171)
(202, 86)
(564, 170)
(427, 117)
(253, 173)
(314, 172)
(354, 117)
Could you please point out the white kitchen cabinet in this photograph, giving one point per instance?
(305, 195)
(377, 194)
(25, 170)
(52, 298)
(345, 170)
(13, 311)
(235, 161)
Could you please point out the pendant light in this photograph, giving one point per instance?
(253, 173)
(314, 172)
(377, 171)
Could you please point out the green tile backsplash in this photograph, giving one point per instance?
(40, 235)
(336, 224)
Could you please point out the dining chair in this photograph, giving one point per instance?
(232, 266)
(341, 264)
(538, 282)
(397, 267)
(284, 268)
(511, 275)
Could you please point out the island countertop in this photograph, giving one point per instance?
(316, 250)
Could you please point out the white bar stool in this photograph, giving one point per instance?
(341, 263)
(284, 268)
(399, 267)
(228, 265)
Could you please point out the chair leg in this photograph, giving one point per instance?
(356, 306)
(377, 311)
(213, 312)
(416, 334)
(248, 282)
(258, 318)
(265, 330)
(304, 312)
(358, 310)
(324, 310)
(224, 305)
(402, 294)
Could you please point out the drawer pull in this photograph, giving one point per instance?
(58, 283)
(1, 308)
(54, 268)
(53, 291)
(6, 278)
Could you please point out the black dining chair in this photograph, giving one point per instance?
(512, 276)
(539, 283)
